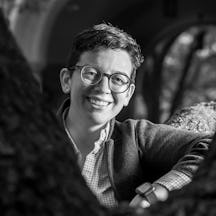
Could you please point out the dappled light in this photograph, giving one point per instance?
(199, 81)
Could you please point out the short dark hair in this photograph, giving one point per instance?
(107, 36)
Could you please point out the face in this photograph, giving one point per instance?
(97, 104)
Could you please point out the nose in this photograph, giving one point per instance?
(103, 85)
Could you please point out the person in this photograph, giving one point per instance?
(135, 161)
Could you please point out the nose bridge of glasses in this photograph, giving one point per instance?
(106, 75)
(104, 83)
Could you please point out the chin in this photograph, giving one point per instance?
(99, 119)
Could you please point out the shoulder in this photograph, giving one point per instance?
(141, 126)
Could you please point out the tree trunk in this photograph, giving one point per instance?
(39, 175)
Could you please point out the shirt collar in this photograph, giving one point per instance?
(103, 134)
(64, 114)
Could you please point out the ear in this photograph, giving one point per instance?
(65, 79)
(129, 94)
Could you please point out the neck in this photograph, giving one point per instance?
(83, 134)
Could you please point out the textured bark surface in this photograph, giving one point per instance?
(198, 118)
(38, 173)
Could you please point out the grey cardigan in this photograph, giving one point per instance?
(139, 151)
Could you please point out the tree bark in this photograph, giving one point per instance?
(39, 175)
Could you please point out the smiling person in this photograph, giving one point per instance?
(134, 160)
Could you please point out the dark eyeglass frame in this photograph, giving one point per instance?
(81, 67)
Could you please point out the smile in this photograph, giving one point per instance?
(98, 102)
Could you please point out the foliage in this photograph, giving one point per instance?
(198, 118)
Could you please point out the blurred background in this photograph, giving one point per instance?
(177, 37)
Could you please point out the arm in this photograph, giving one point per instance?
(174, 154)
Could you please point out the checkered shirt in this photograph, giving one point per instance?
(173, 180)
(95, 169)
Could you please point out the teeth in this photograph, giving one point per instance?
(98, 102)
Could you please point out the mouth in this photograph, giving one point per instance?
(98, 103)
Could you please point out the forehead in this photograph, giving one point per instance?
(109, 60)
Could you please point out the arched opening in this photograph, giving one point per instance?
(180, 70)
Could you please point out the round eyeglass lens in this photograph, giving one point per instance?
(119, 82)
(90, 75)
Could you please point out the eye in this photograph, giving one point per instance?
(90, 73)
(119, 79)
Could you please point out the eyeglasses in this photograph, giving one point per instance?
(118, 82)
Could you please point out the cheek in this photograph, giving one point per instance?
(77, 87)
(119, 100)
(76, 90)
